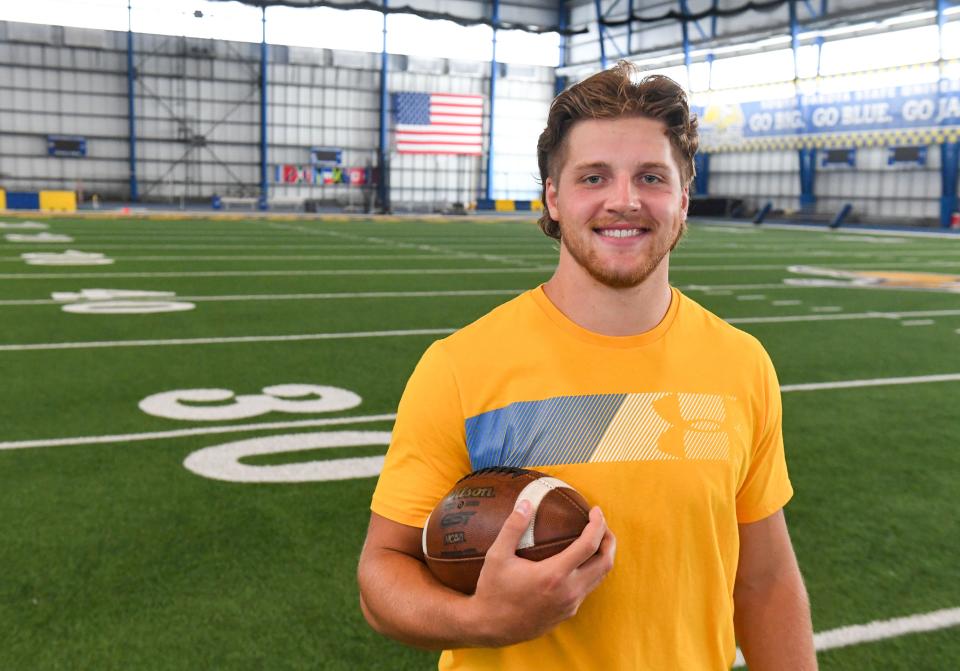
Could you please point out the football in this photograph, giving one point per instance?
(465, 523)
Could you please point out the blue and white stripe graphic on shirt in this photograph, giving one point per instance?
(601, 428)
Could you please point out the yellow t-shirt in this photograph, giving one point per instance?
(675, 433)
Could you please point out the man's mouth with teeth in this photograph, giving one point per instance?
(621, 232)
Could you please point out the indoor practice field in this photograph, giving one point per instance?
(147, 525)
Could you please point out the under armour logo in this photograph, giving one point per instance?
(698, 426)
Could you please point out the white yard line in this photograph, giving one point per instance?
(879, 630)
(199, 431)
(389, 256)
(878, 382)
(222, 341)
(395, 244)
(404, 271)
(822, 229)
(842, 317)
(280, 273)
(441, 331)
(308, 297)
(159, 435)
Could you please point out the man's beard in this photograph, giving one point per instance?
(612, 277)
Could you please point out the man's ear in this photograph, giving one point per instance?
(685, 201)
(552, 207)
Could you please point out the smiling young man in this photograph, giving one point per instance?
(657, 411)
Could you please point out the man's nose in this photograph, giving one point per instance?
(624, 195)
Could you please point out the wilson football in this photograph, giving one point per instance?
(465, 523)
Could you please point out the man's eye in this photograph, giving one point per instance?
(651, 179)
(592, 179)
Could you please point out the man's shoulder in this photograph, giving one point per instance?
(713, 329)
(510, 318)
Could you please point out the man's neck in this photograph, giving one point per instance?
(604, 310)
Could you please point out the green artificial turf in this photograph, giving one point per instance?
(116, 556)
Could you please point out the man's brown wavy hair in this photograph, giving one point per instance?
(612, 94)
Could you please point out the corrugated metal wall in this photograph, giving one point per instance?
(875, 189)
(61, 81)
(198, 117)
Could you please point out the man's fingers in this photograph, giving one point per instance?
(509, 537)
(595, 569)
(583, 547)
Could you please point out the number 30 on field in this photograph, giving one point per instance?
(223, 462)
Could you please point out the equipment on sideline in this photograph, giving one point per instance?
(460, 530)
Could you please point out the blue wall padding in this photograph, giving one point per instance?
(23, 200)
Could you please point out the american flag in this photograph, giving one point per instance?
(438, 123)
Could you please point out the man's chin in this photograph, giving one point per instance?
(620, 279)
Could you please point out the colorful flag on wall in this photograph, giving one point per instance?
(438, 123)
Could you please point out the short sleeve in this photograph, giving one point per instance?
(427, 453)
(766, 487)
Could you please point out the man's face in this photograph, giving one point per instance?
(618, 198)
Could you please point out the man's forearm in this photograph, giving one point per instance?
(401, 599)
(773, 626)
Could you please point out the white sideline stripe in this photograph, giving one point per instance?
(90, 440)
(179, 433)
(878, 382)
(217, 341)
(325, 296)
(441, 331)
(879, 630)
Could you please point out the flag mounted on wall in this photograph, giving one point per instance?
(438, 123)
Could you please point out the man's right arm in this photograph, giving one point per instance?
(516, 599)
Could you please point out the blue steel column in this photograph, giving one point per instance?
(950, 168)
(701, 181)
(262, 201)
(493, 98)
(806, 155)
(382, 189)
(603, 46)
(949, 151)
(131, 109)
